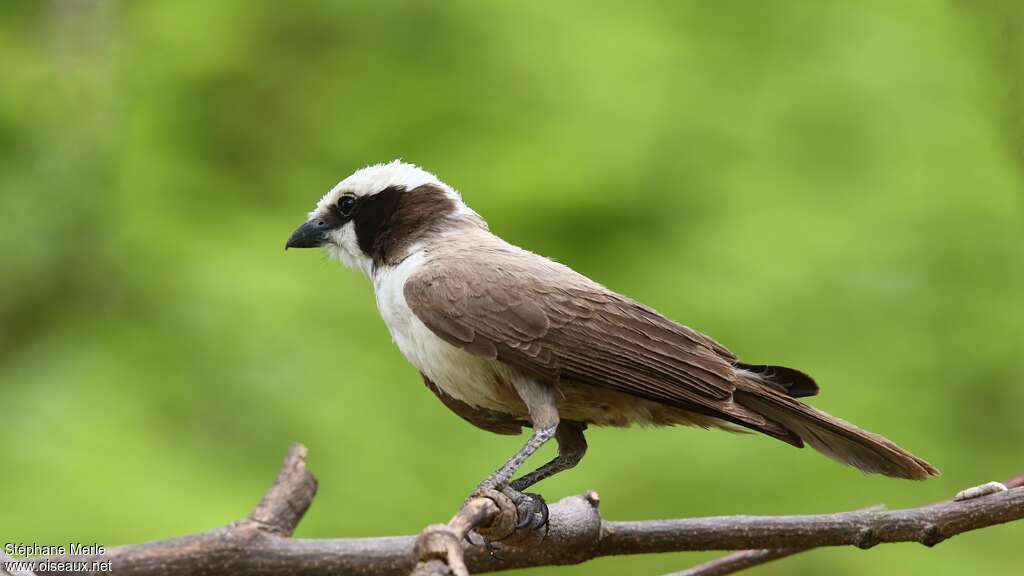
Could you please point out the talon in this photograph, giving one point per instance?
(525, 522)
(530, 512)
(533, 511)
(545, 516)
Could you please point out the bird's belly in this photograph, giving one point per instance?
(603, 406)
(477, 381)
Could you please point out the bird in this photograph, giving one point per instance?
(508, 339)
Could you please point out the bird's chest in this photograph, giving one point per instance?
(474, 380)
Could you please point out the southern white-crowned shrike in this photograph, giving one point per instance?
(506, 338)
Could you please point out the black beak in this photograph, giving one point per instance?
(310, 235)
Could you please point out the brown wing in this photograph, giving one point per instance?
(533, 313)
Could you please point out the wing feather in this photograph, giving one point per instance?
(547, 319)
(527, 311)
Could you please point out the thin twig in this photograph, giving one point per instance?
(738, 561)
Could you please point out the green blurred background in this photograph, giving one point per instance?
(835, 186)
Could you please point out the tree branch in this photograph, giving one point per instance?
(438, 548)
(927, 525)
(284, 505)
(738, 561)
(259, 545)
(744, 559)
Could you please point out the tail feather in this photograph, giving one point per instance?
(833, 437)
(789, 380)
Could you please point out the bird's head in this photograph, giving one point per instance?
(380, 214)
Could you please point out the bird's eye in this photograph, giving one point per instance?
(346, 205)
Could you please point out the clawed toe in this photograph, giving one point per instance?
(532, 509)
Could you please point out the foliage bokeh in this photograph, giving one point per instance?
(833, 186)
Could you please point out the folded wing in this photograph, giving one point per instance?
(545, 318)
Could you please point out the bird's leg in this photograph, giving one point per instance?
(571, 447)
(501, 477)
(540, 402)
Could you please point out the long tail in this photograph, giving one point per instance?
(770, 391)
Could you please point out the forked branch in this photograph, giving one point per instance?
(261, 543)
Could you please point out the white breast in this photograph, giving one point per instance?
(471, 379)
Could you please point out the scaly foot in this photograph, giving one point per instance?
(531, 508)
